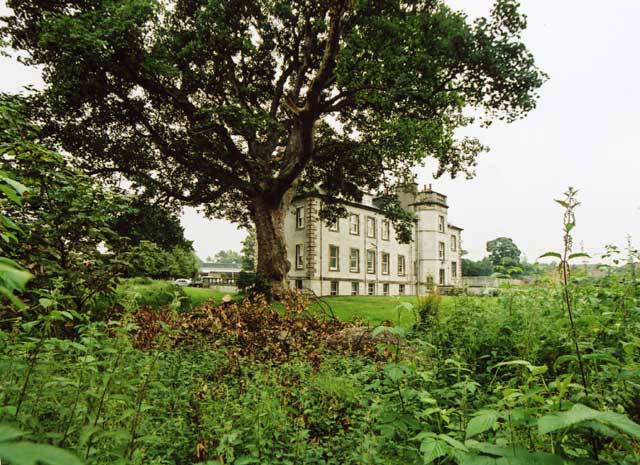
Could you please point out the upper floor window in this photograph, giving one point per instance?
(299, 217)
(441, 223)
(386, 230)
(385, 263)
(401, 265)
(441, 250)
(334, 226)
(454, 243)
(354, 260)
(371, 261)
(371, 227)
(334, 258)
(354, 224)
(299, 257)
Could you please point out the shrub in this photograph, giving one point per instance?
(428, 309)
(252, 284)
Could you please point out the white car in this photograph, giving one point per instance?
(182, 282)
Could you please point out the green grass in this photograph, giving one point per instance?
(197, 295)
(373, 309)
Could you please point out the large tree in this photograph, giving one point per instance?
(234, 105)
(503, 252)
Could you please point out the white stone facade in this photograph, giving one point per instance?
(361, 255)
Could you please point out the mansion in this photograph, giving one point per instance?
(360, 255)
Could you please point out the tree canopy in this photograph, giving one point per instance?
(236, 105)
(503, 252)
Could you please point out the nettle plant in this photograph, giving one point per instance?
(569, 203)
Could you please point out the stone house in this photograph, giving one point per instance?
(360, 255)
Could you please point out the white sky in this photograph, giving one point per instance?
(582, 134)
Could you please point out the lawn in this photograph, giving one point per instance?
(197, 295)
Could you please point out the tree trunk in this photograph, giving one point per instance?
(273, 264)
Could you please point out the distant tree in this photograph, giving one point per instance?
(225, 103)
(149, 259)
(151, 221)
(248, 251)
(503, 252)
(226, 257)
(476, 268)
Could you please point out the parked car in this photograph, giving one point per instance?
(182, 282)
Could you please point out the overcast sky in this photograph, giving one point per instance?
(584, 133)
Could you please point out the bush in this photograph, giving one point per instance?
(252, 284)
(135, 293)
(428, 308)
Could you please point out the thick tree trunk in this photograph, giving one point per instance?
(273, 264)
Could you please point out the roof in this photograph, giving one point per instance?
(455, 227)
(220, 267)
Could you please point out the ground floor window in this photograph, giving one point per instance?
(385, 289)
(334, 287)
(298, 283)
(441, 281)
(371, 289)
(401, 289)
(454, 270)
(355, 288)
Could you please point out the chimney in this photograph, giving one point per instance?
(429, 187)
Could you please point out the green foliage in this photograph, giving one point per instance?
(13, 278)
(428, 310)
(66, 240)
(140, 292)
(226, 257)
(144, 220)
(151, 260)
(29, 453)
(503, 252)
(250, 283)
(248, 251)
(477, 268)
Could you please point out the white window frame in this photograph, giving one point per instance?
(441, 250)
(299, 217)
(337, 258)
(299, 256)
(385, 264)
(385, 289)
(454, 243)
(401, 289)
(354, 258)
(355, 288)
(402, 265)
(441, 223)
(335, 226)
(442, 277)
(371, 227)
(354, 226)
(371, 269)
(386, 230)
(336, 291)
(371, 289)
(454, 269)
